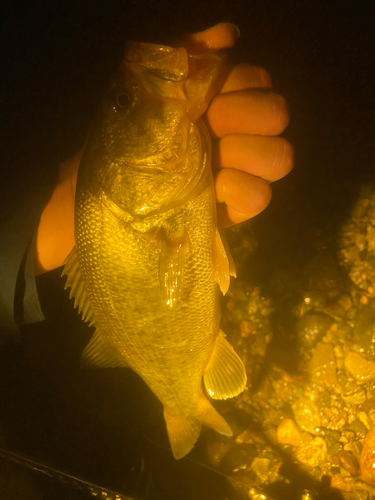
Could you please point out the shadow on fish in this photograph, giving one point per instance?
(149, 260)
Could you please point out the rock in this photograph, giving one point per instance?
(312, 327)
(353, 394)
(368, 406)
(324, 398)
(360, 495)
(367, 461)
(364, 330)
(215, 451)
(322, 365)
(349, 462)
(359, 367)
(312, 453)
(364, 418)
(288, 433)
(340, 483)
(338, 421)
(355, 447)
(335, 448)
(329, 435)
(238, 458)
(306, 414)
(260, 466)
(359, 429)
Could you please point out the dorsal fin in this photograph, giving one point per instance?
(77, 287)
(100, 354)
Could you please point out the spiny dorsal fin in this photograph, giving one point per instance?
(225, 375)
(77, 287)
(99, 353)
(224, 266)
(171, 265)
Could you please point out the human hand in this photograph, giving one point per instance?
(244, 120)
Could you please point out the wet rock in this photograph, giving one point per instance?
(312, 327)
(288, 433)
(238, 458)
(342, 379)
(335, 448)
(349, 462)
(338, 421)
(340, 483)
(322, 365)
(364, 418)
(368, 406)
(355, 447)
(353, 394)
(306, 414)
(215, 451)
(324, 398)
(313, 452)
(257, 494)
(359, 429)
(250, 436)
(328, 434)
(359, 367)
(347, 436)
(360, 495)
(364, 330)
(260, 466)
(367, 461)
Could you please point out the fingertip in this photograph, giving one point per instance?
(220, 36)
(242, 192)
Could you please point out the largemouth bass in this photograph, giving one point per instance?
(149, 258)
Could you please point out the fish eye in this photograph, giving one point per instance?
(123, 101)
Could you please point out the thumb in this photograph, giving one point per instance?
(220, 36)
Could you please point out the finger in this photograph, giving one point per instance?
(221, 36)
(228, 216)
(254, 112)
(268, 157)
(242, 193)
(244, 76)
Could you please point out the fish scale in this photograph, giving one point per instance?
(149, 260)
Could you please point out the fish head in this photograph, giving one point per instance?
(145, 141)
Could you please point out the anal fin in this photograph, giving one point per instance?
(225, 374)
(183, 433)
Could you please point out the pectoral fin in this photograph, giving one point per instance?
(99, 354)
(171, 265)
(77, 287)
(224, 266)
(225, 375)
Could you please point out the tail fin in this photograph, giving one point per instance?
(184, 431)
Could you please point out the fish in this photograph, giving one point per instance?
(150, 261)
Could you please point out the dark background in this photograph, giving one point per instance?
(55, 60)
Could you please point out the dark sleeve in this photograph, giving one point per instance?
(19, 303)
